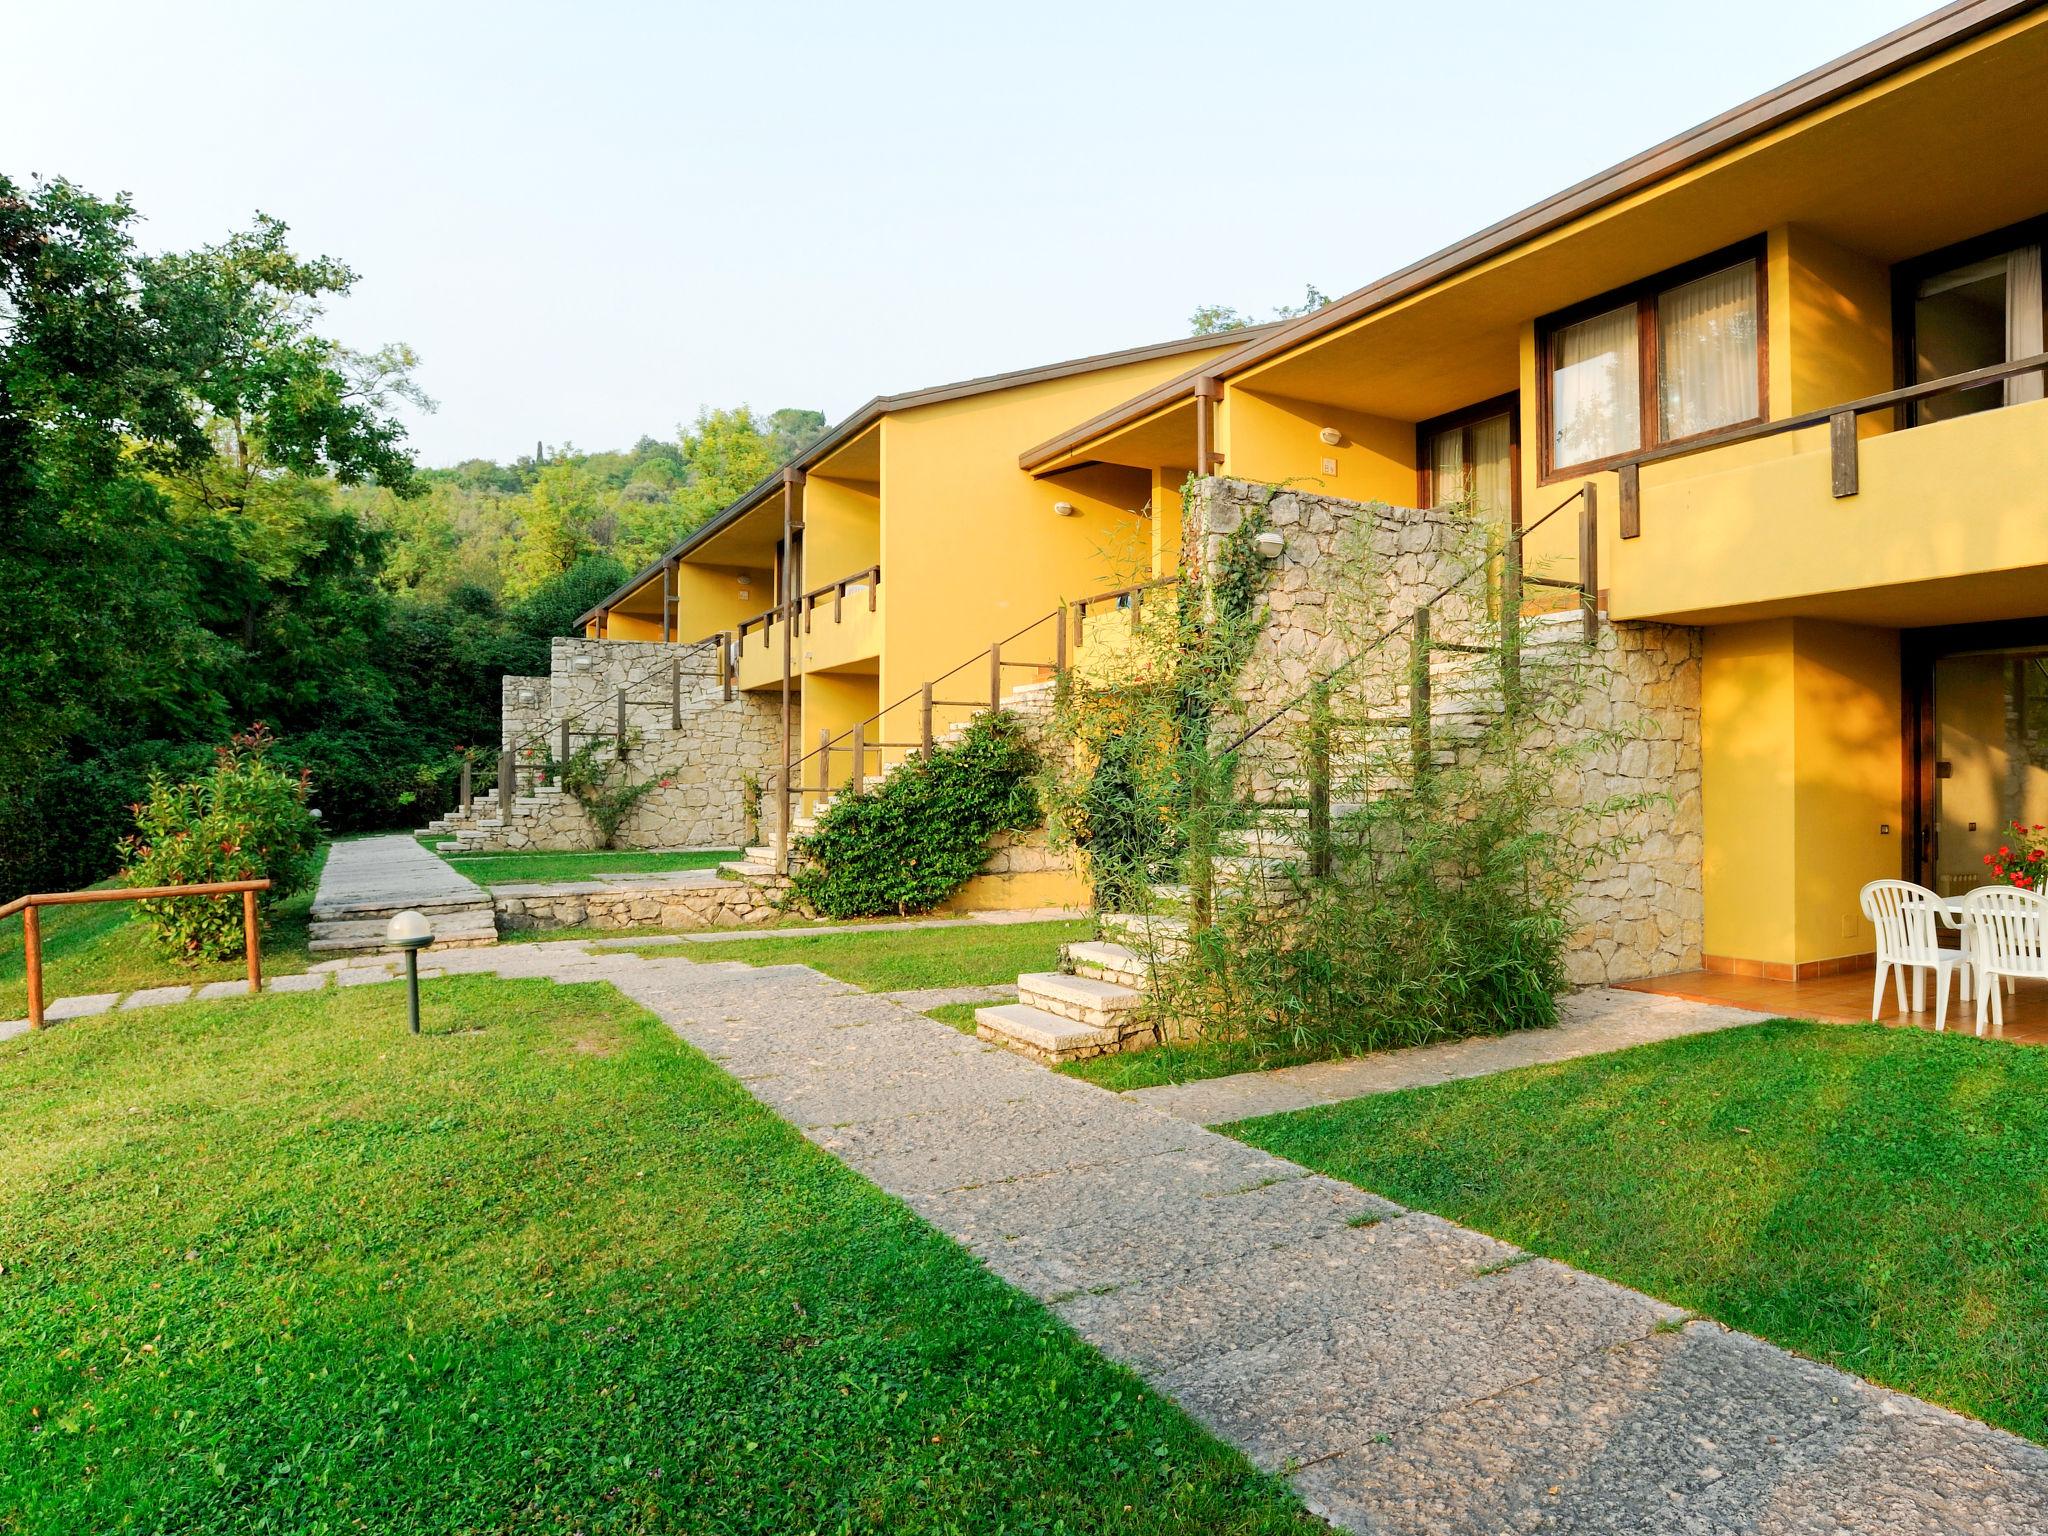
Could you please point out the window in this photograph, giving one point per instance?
(1473, 455)
(1676, 357)
(1974, 306)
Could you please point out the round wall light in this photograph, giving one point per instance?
(1331, 436)
(1272, 544)
(1065, 509)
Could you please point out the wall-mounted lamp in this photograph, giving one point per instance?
(582, 663)
(1065, 509)
(1331, 436)
(1272, 544)
(528, 698)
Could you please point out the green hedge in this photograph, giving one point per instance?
(922, 832)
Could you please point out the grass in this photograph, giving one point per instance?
(276, 1265)
(107, 947)
(519, 868)
(959, 1015)
(1187, 1063)
(900, 959)
(1866, 1196)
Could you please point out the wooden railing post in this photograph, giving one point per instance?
(995, 677)
(252, 941)
(824, 759)
(925, 726)
(725, 666)
(675, 695)
(1059, 640)
(874, 585)
(1319, 781)
(860, 756)
(621, 748)
(1630, 477)
(1589, 558)
(562, 756)
(1418, 694)
(32, 954)
(508, 781)
(1511, 624)
(1842, 453)
(838, 601)
(465, 790)
(1080, 619)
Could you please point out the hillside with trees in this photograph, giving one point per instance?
(209, 518)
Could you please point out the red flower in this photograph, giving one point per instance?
(1987, 858)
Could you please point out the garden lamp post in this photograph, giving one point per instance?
(411, 932)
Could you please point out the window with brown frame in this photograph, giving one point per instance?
(1476, 455)
(1673, 357)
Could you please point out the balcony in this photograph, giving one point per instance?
(1934, 524)
(837, 625)
(840, 624)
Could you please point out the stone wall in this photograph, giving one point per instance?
(1345, 586)
(692, 904)
(697, 746)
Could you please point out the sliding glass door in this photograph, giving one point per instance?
(1980, 735)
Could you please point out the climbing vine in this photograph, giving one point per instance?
(922, 831)
(600, 783)
(1137, 793)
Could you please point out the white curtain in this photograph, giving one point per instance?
(1447, 467)
(1492, 483)
(1594, 381)
(1707, 352)
(2023, 319)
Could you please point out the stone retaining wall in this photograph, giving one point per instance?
(697, 904)
(1351, 571)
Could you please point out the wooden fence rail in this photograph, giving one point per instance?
(32, 924)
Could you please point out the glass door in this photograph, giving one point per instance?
(1985, 736)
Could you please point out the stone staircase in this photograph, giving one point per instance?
(1094, 1005)
(484, 824)
(368, 881)
(458, 923)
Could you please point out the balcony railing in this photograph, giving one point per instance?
(1844, 452)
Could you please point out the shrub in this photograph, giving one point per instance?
(245, 819)
(602, 786)
(922, 832)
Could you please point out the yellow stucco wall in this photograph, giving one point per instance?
(1800, 759)
(712, 599)
(842, 528)
(971, 548)
(1275, 438)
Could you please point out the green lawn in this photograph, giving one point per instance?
(106, 947)
(895, 960)
(1185, 1063)
(1872, 1197)
(520, 868)
(275, 1265)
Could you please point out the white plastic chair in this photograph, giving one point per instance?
(1908, 918)
(2009, 928)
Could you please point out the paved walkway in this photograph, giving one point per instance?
(1404, 1373)
(1598, 1019)
(389, 871)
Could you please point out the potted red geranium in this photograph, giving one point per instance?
(2023, 860)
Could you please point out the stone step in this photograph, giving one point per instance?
(433, 906)
(1042, 1036)
(371, 946)
(749, 869)
(1107, 961)
(1084, 999)
(447, 926)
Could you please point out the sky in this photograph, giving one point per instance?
(591, 221)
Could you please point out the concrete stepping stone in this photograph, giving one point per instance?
(155, 997)
(307, 981)
(84, 1006)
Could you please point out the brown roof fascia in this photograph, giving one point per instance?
(852, 426)
(1887, 55)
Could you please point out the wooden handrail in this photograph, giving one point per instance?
(1843, 442)
(32, 927)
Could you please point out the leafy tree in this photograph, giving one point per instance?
(1218, 319)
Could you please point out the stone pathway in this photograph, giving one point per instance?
(1590, 1022)
(367, 879)
(1405, 1374)
(802, 931)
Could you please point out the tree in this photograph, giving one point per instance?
(1218, 319)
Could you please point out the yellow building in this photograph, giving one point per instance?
(1781, 350)
(907, 541)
